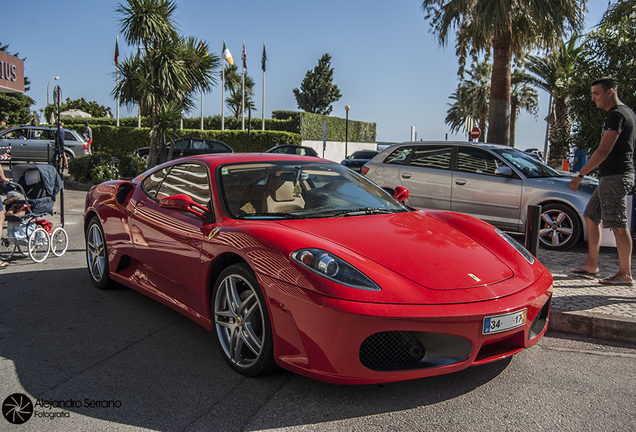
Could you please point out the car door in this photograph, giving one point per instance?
(478, 191)
(18, 142)
(168, 242)
(180, 148)
(40, 144)
(426, 173)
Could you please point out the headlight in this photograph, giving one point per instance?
(515, 244)
(333, 268)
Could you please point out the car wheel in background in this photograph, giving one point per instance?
(97, 255)
(242, 322)
(560, 228)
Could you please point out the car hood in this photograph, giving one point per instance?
(423, 249)
(587, 185)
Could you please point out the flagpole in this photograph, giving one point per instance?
(243, 88)
(117, 73)
(223, 95)
(201, 108)
(263, 60)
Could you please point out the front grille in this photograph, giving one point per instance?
(391, 350)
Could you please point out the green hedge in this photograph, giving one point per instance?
(127, 139)
(307, 125)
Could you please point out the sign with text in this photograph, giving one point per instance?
(11, 74)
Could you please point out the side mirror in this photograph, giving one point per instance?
(184, 203)
(503, 171)
(401, 193)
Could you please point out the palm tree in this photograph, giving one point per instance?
(234, 84)
(168, 69)
(509, 28)
(553, 74)
(471, 99)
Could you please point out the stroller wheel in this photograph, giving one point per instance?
(59, 241)
(39, 241)
(7, 247)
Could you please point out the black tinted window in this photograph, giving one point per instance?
(432, 157)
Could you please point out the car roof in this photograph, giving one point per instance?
(462, 143)
(215, 159)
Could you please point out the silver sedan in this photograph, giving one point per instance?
(494, 183)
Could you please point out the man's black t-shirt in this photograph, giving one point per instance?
(620, 160)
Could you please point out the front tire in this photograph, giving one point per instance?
(97, 255)
(560, 227)
(242, 323)
(7, 247)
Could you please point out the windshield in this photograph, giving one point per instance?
(529, 166)
(299, 190)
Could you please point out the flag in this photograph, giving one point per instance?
(244, 57)
(116, 50)
(227, 55)
(264, 59)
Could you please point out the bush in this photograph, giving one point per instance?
(101, 167)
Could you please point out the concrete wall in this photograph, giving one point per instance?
(335, 150)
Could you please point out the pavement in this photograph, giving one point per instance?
(584, 307)
(580, 304)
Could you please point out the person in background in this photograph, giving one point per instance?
(614, 158)
(579, 160)
(88, 136)
(5, 188)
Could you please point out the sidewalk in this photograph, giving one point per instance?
(581, 305)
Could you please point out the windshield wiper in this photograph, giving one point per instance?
(364, 211)
(280, 215)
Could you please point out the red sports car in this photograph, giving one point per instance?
(299, 262)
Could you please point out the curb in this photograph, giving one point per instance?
(593, 325)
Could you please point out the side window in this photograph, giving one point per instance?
(68, 136)
(432, 157)
(188, 178)
(477, 161)
(151, 183)
(399, 155)
(40, 134)
(199, 145)
(180, 144)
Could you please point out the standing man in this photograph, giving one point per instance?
(614, 158)
(88, 136)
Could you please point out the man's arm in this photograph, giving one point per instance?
(604, 148)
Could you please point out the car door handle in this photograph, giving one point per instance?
(460, 182)
(406, 175)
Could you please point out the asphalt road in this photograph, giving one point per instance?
(118, 361)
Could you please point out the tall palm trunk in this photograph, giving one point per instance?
(499, 109)
(513, 123)
(559, 136)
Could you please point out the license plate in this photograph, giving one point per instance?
(501, 323)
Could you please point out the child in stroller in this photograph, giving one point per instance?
(37, 186)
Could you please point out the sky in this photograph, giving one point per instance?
(389, 67)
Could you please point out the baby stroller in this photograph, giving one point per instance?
(26, 231)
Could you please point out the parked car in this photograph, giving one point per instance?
(293, 149)
(302, 263)
(190, 146)
(37, 143)
(491, 182)
(358, 159)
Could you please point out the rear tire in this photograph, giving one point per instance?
(242, 323)
(59, 241)
(97, 255)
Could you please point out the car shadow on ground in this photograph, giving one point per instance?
(121, 357)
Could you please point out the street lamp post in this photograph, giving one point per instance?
(347, 108)
(47, 89)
